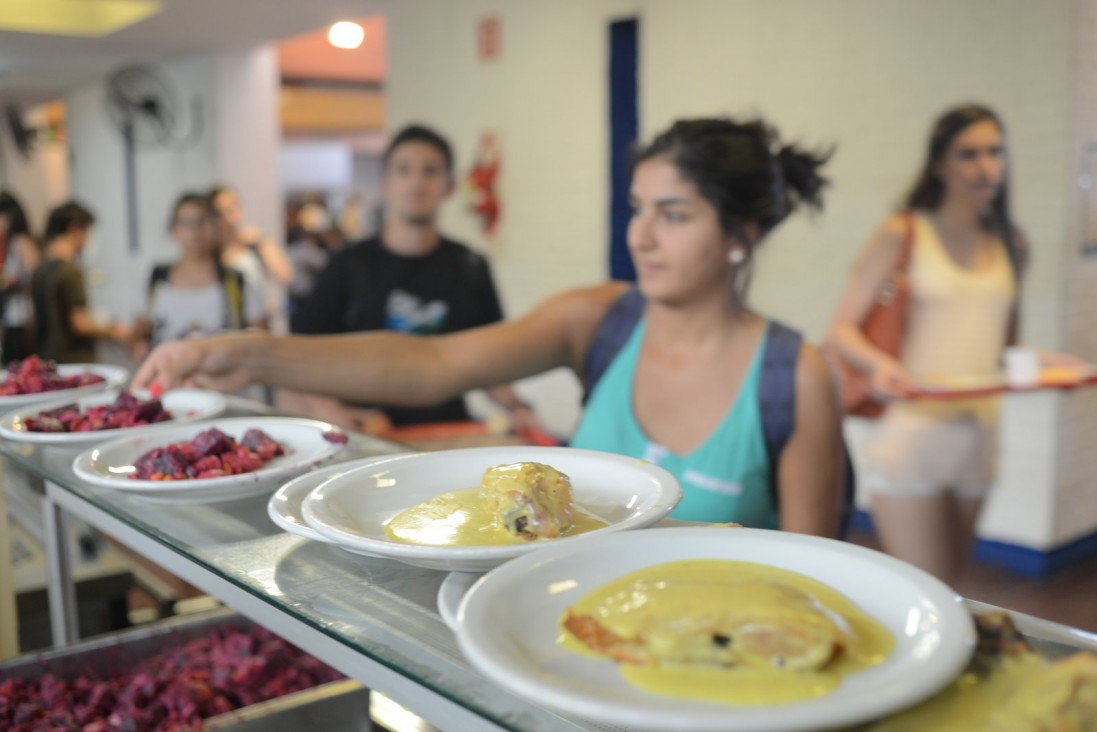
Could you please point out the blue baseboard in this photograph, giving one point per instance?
(1020, 559)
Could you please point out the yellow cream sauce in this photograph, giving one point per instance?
(622, 605)
(466, 518)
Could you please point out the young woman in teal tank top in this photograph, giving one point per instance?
(726, 478)
(705, 194)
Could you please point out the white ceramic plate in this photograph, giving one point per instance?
(113, 376)
(305, 441)
(186, 405)
(508, 624)
(352, 509)
(450, 593)
(284, 507)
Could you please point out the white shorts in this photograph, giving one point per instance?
(913, 453)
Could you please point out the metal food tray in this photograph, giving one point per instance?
(1048, 638)
(338, 706)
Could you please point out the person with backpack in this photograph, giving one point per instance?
(196, 294)
(735, 405)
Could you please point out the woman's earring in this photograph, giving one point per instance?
(736, 256)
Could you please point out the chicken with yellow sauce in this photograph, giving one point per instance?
(726, 631)
(514, 504)
(532, 500)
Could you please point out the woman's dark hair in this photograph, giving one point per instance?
(928, 191)
(17, 218)
(189, 198)
(65, 217)
(742, 169)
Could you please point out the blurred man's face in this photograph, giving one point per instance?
(79, 236)
(415, 183)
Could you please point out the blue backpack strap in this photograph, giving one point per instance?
(777, 393)
(611, 336)
(777, 404)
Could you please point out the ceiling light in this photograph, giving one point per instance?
(346, 34)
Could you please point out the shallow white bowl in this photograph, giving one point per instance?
(352, 509)
(509, 621)
(305, 441)
(187, 405)
(284, 507)
(113, 376)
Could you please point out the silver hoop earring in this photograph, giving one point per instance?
(736, 256)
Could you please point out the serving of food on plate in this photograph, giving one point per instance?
(210, 454)
(514, 503)
(474, 508)
(221, 460)
(714, 629)
(726, 631)
(96, 417)
(34, 380)
(1007, 687)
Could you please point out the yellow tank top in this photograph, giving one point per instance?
(958, 318)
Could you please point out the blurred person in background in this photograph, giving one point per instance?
(261, 260)
(196, 294)
(19, 256)
(310, 250)
(409, 279)
(65, 330)
(928, 464)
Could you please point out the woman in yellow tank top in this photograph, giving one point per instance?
(927, 464)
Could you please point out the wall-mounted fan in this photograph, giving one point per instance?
(147, 111)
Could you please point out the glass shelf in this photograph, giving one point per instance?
(378, 608)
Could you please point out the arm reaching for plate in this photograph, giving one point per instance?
(389, 368)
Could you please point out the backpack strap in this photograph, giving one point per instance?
(232, 283)
(777, 394)
(159, 275)
(777, 404)
(611, 336)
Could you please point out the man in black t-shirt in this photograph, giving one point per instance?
(409, 279)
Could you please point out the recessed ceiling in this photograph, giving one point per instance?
(74, 17)
(311, 55)
(37, 67)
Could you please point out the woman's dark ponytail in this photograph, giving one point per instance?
(742, 169)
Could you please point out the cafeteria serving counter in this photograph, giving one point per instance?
(374, 620)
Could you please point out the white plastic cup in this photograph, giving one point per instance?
(1022, 366)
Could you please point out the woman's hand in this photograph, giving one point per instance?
(217, 363)
(890, 381)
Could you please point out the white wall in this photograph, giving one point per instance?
(116, 276)
(238, 146)
(315, 165)
(249, 134)
(868, 75)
